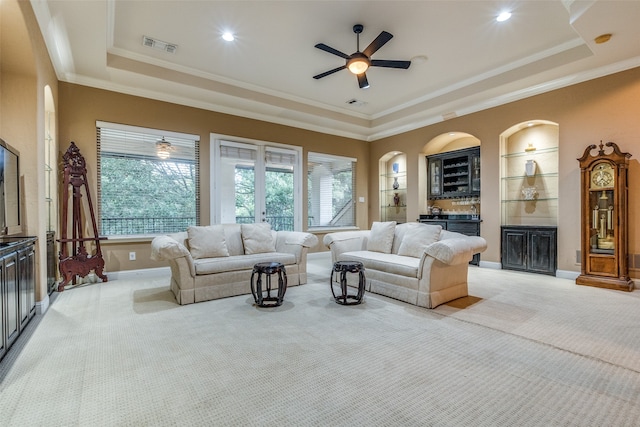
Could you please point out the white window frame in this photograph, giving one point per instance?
(330, 157)
(216, 179)
(160, 134)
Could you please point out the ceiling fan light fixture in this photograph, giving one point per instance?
(163, 149)
(358, 65)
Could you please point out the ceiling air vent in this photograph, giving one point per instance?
(356, 102)
(159, 44)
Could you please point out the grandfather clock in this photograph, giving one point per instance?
(603, 180)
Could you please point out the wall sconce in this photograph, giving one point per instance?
(163, 149)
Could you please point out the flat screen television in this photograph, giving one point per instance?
(10, 219)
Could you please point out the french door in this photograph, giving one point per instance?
(254, 181)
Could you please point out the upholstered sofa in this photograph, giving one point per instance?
(216, 261)
(421, 264)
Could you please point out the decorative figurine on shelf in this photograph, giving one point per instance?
(395, 167)
(395, 185)
(529, 193)
(396, 199)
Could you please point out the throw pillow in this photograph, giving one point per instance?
(257, 238)
(381, 237)
(417, 238)
(207, 242)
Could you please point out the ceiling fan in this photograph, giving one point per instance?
(359, 62)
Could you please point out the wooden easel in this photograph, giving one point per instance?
(79, 263)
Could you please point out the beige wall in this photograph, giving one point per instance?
(82, 106)
(603, 109)
(25, 71)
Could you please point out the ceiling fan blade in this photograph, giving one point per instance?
(326, 73)
(362, 81)
(329, 49)
(380, 41)
(390, 64)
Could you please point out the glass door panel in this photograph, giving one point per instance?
(256, 183)
(280, 189)
(236, 184)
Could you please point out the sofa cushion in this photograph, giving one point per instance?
(257, 238)
(207, 242)
(417, 238)
(240, 262)
(233, 236)
(381, 237)
(389, 263)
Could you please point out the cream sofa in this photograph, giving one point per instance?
(217, 261)
(421, 264)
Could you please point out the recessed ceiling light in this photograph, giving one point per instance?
(228, 36)
(419, 59)
(503, 16)
(452, 134)
(603, 38)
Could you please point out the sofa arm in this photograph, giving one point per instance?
(165, 248)
(299, 238)
(295, 242)
(457, 250)
(346, 241)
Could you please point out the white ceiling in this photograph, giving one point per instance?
(473, 62)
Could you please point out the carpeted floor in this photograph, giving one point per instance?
(522, 349)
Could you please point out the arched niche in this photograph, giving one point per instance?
(445, 142)
(392, 167)
(529, 173)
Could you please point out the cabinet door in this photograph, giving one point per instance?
(542, 251)
(51, 263)
(435, 177)
(3, 310)
(26, 284)
(474, 163)
(11, 293)
(514, 249)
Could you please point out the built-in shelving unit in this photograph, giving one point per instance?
(393, 189)
(530, 198)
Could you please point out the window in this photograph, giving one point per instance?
(256, 181)
(331, 186)
(147, 180)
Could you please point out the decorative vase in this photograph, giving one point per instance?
(396, 199)
(395, 167)
(530, 168)
(395, 183)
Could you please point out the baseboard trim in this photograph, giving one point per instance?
(491, 264)
(567, 274)
(42, 306)
(136, 274)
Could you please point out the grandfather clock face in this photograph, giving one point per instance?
(602, 176)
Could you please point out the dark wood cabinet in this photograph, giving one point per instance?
(454, 174)
(529, 248)
(52, 263)
(17, 289)
(27, 285)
